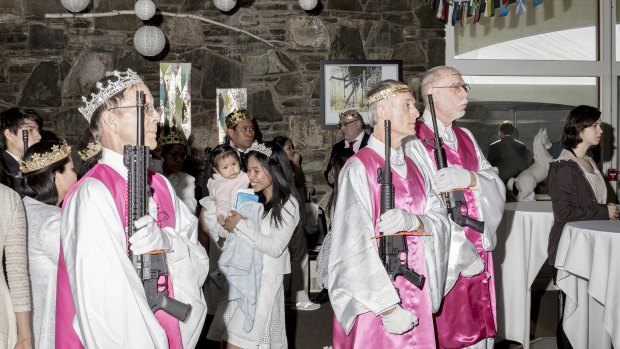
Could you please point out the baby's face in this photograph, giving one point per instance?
(228, 167)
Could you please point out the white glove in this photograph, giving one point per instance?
(399, 320)
(396, 220)
(451, 178)
(149, 237)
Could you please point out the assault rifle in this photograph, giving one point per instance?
(25, 140)
(149, 266)
(391, 246)
(456, 199)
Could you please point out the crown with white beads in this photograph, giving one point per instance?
(261, 148)
(124, 80)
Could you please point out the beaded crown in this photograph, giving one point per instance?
(349, 115)
(39, 161)
(172, 137)
(233, 118)
(124, 80)
(92, 149)
(261, 148)
(387, 93)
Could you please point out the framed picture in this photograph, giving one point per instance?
(344, 85)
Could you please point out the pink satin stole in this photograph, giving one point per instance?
(467, 315)
(368, 331)
(117, 185)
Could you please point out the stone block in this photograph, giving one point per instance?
(410, 52)
(348, 5)
(384, 34)
(37, 8)
(183, 32)
(347, 43)
(89, 68)
(219, 72)
(307, 31)
(13, 38)
(121, 23)
(289, 85)
(70, 122)
(261, 107)
(388, 5)
(270, 62)
(43, 37)
(42, 89)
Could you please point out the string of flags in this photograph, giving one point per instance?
(475, 9)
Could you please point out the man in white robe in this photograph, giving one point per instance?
(111, 310)
(475, 294)
(372, 310)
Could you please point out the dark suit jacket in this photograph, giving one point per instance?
(510, 156)
(10, 176)
(340, 145)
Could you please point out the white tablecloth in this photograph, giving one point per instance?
(588, 260)
(521, 251)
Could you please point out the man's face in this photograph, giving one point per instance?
(15, 142)
(242, 135)
(351, 129)
(173, 159)
(126, 114)
(402, 114)
(450, 97)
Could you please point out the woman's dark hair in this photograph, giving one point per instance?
(281, 141)
(221, 151)
(40, 185)
(339, 158)
(279, 168)
(581, 117)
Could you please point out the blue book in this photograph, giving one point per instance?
(244, 197)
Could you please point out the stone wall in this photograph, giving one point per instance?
(46, 64)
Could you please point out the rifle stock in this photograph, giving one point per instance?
(149, 266)
(391, 246)
(453, 200)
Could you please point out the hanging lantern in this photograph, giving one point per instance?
(225, 5)
(75, 5)
(149, 40)
(308, 5)
(145, 9)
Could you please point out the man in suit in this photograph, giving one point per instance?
(13, 122)
(355, 138)
(508, 154)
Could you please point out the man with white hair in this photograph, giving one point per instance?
(371, 310)
(106, 306)
(467, 317)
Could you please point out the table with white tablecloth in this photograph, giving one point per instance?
(521, 251)
(588, 263)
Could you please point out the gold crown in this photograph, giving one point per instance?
(124, 80)
(38, 161)
(261, 148)
(349, 115)
(172, 137)
(387, 93)
(233, 118)
(92, 149)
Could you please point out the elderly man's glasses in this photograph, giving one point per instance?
(457, 87)
(340, 124)
(149, 109)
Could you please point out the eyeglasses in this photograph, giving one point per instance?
(149, 109)
(458, 87)
(340, 124)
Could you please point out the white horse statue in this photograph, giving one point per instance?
(526, 181)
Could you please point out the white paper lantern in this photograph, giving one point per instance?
(149, 40)
(145, 9)
(308, 5)
(75, 5)
(225, 5)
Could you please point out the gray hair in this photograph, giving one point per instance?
(373, 109)
(431, 76)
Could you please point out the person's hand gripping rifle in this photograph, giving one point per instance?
(454, 200)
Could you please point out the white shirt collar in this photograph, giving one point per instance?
(114, 160)
(397, 157)
(445, 132)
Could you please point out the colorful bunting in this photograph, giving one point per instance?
(463, 9)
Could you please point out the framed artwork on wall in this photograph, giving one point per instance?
(344, 85)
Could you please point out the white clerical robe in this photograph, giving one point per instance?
(357, 280)
(111, 307)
